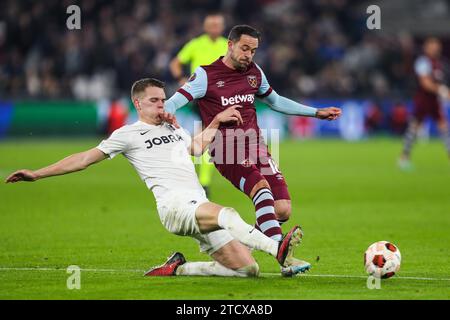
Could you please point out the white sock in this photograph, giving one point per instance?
(230, 220)
(213, 268)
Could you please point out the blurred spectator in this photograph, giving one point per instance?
(117, 117)
(399, 118)
(374, 118)
(309, 48)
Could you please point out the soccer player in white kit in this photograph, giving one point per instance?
(160, 151)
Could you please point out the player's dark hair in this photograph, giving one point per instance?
(214, 13)
(237, 31)
(142, 84)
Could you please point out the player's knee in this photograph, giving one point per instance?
(262, 184)
(230, 212)
(283, 210)
(227, 218)
(251, 270)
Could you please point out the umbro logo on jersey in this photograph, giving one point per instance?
(220, 84)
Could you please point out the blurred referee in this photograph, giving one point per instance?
(202, 50)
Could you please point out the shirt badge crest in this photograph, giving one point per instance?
(252, 81)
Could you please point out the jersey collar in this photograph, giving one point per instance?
(149, 125)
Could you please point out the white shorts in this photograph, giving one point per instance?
(177, 214)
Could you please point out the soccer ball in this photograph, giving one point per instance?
(382, 259)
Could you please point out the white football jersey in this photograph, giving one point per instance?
(159, 153)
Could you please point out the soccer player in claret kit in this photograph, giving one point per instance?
(431, 89)
(236, 79)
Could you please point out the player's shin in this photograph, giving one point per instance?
(265, 214)
(280, 221)
(410, 138)
(213, 268)
(230, 220)
(445, 134)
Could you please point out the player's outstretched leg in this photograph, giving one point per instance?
(214, 268)
(231, 260)
(176, 265)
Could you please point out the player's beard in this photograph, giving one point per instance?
(237, 64)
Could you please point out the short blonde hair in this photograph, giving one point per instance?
(139, 86)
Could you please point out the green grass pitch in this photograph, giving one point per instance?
(345, 196)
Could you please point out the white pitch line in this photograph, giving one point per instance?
(63, 269)
(359, 277)
(263, 273)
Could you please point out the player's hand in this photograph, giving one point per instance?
(169, 118)
(331, 113)
(444, 92)
(22, 175)
(230, 114)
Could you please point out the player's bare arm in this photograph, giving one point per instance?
(72, 163)
(287, 106)
(201, 141)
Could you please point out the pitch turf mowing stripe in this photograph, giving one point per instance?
(270, 274)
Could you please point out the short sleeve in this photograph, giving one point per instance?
(185, 54)
(423, 67)
(117, 143)
(264, 89)
(196, 85)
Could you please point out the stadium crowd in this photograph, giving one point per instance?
(309, 48)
